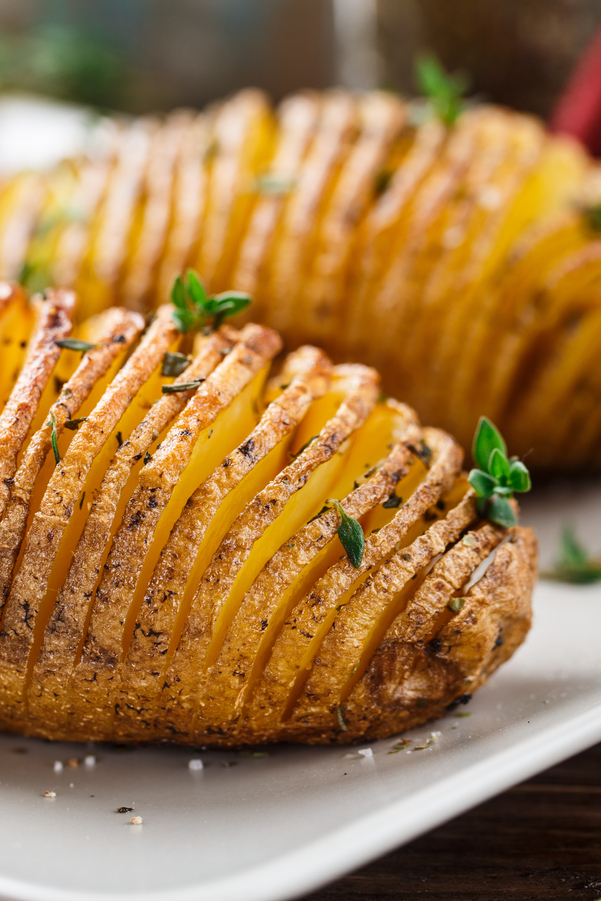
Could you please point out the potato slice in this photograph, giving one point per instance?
(37, 464)
(17, 319)
(297, 121)
(53, 323)
(57, 525)
(138, 279)
(492, 623)
(381, 117)
(542, 177)
(189, 200)
(220, 415)
(384, 229)
(548, 407)
(315, 183)
(103, 264)
(76, 233)
(299, 640)
(461, 221)
(276, 513)
(412, 260)
(398, 589)
(22, 205)
(300, 562)
(48, 694)
(243, 141)
(197, 534)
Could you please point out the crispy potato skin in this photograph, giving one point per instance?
(359, 224)
(124, 621)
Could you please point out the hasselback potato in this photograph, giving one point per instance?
(462, 261)
(202, 541)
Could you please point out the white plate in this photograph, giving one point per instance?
(274, 828)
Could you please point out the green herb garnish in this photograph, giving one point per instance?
(443, 91)
(74, 344)
(401, 745)
(351, 534)
(182, 386)
(592, 217)
(574, 563)
(341, 722)
(455, 604)
(53, 437)
(195, 309)
(174, 364)
(275, 183)
(496, 477)
(304, 447)
(74, 424)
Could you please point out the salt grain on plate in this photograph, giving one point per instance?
(195, 764)
(50, 794)
(58, 766)
(136, 821)
(89, 760)
(366, 752)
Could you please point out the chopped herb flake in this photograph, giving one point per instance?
(53, 437)
(74, 424)
(74, 344)
(174, 364)
(350, 534)
(182, 386)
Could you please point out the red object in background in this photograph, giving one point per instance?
(578, 111)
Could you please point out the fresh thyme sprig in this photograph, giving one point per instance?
(195, 309)
(444, 91)
(496, 477)
(574, 563)
(350, 533)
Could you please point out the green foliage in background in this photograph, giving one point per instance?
(64, 63)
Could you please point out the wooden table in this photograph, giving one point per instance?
(540, 841)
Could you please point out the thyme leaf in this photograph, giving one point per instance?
(174, 364)
(275, 183)
(53, 437)
(74, 424)
(74, 344)
(350, 534)
(304, 447)
(182, 386)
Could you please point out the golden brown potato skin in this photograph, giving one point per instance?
(459, 261)
(203, 593)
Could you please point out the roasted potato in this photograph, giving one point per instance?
(455, 259)
(173, 557)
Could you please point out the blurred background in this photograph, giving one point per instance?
(142, 55)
